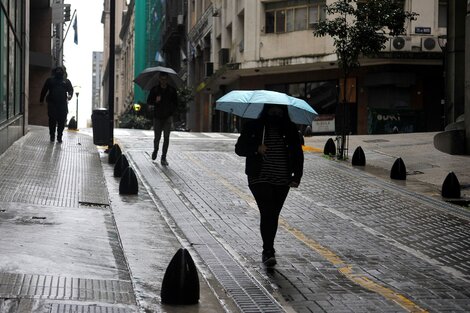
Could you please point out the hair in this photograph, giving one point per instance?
(163, 74)
(267, 106)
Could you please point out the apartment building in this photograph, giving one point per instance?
(97, 74)
(269, 45)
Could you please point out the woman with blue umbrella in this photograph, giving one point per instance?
(274, 164)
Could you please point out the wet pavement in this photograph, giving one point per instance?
(350, 238)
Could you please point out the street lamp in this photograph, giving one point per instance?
(77, 92)
(442, 40)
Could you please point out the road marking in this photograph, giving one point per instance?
(214, 135)
(311, 149)
(347, 271)
(326, 253)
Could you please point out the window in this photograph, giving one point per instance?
(281, 18)
(280, 21)
(442, 18)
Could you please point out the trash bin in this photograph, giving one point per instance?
(100, 122)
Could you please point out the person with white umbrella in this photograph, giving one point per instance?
(274, 164)
(164, 101)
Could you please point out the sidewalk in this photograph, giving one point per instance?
(426, 166)
(69, 245)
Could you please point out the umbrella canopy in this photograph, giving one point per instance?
(250, 104)
(149, 77)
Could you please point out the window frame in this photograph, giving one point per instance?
(292, 12)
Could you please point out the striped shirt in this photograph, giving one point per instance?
(274, 168)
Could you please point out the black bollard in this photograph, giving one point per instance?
(330, 147)
(451, 187)
(181, 282)
(128, 184)
(114, 154)
(359, 158)
(398, 170)
(120, 166)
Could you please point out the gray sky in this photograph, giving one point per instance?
(78, 58)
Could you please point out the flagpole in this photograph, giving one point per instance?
(68, 27)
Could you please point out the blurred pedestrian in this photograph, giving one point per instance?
(274, 164)
(58, 90)
(164, 100)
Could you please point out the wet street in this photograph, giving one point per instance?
(348, 241)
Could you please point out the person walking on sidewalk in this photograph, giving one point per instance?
(164, 100)
(274, 164)
(59, 91)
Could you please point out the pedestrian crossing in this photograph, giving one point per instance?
(139, 133)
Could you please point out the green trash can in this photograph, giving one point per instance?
(100, 122)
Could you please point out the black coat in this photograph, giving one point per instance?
(166, 107)
(250, 139)
(58, 90)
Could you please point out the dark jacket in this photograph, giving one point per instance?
(251, 137)
(166, 107)
(58, 90)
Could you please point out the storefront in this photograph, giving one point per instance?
(12, 56)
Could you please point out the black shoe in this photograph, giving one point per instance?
(163, 161)
(52, 138)
(154, 154)
(59, 139)
(268, 258)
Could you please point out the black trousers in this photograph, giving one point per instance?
(57, 119)
(270, 199)
(160, 126)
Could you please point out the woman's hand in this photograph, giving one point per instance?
(262, 149)
(293, 184)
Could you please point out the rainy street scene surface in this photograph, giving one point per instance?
(212, 156)
(349, 239)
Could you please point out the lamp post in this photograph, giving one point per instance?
(442, 40)
(77, 92)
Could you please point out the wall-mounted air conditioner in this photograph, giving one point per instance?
(430, 44)
(387, 46)
(400, 43)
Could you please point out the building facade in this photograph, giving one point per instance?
(14, 50)
(97, 76)
(269, 45)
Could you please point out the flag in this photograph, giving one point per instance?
(75, 29)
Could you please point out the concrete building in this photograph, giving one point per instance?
(127, 60)
(120, 7)
(26, 61)
(269, 45)
(97, 73)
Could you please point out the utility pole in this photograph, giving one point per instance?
(112, 43)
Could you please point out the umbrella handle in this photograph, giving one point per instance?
(264, 131)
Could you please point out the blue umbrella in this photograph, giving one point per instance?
(250, 103)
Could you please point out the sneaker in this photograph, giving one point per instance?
(154, 154)
(164, 162)
(268, 258)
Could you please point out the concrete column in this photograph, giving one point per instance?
(455, 60)
(467, 80)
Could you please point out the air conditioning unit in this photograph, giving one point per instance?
(400, 43)
(387, 46)
(224, 56)
(430, 44)
(208, 69)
